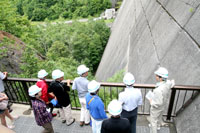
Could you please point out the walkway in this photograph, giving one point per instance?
(27, 124)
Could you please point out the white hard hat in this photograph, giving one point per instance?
(42, 73)
(162, 72)
(57, 74)
(93, 86)
(115, 107)
(129, 79)
(34, 89)
(82, 69)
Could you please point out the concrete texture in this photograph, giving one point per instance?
(150, 33)
(188, 120)
(27, 124)
(147, 34)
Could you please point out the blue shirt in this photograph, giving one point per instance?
(96, 107)
(80, 83)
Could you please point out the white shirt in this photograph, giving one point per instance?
(2, 76)
(130, 98)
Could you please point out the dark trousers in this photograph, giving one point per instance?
(132, 117)
(50, 105)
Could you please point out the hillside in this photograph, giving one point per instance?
(11, 59)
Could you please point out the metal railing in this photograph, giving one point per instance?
(180, 97)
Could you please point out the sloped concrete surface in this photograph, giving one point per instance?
(150, 33)
(147, 34)
(188, 120)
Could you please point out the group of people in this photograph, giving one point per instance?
(123, 111)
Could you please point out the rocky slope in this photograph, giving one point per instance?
(12, 58)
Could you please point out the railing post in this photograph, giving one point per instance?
(27, 112)
(171, 103)
(26, 90)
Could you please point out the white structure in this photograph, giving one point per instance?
(109, 13)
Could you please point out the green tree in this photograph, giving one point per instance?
(29, 63)
(55, 44)
(57, 50)
(12, 22)
(39, 10)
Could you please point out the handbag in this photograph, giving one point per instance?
(54, 102)
(3, 103)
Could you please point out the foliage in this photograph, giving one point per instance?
(118, 4)
(30, 63)
(51, 45)
(117, 77)
(55, 46)
(39, 10)
(12, 22)
(4, 42)
(107, 94)
(83, 42)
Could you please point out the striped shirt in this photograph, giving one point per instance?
(42, 116)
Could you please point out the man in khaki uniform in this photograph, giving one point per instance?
(160, 98)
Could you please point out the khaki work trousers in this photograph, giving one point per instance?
(65, 113)
(155, 119)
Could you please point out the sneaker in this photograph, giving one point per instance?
(10, 110)
(164, 124)
(63, 121)
(149, 125)
(158, 128)
(81, 123)
(71, 122)
(54, 114)
(15, 117)
(87, 124)
(11, 126)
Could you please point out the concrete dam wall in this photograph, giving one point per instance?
(150, 33)
(188, 120)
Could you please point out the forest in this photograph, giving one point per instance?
(39, 10)
(57, 45)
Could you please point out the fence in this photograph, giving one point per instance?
(181, 96)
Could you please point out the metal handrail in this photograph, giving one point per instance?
(17, 91)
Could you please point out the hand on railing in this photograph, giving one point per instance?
(172, 83)
(68, 82)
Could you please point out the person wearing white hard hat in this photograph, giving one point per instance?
(60, 90)
(41, 83)
(95, 105)
(130, 99)
(42, 116)
(80, 84)
(115, 124)
(159, 99)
